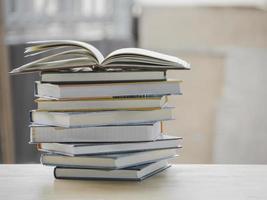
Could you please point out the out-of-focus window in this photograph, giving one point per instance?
(76, 19)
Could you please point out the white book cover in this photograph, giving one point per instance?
(74, 149)
(124, 133)
(108, 161)
(71, 105)
(84, 77)
(100, 118)
(104, 90)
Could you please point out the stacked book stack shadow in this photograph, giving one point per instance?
(100, 118)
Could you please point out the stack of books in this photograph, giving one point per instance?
(100, 118)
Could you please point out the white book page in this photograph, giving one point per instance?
(63, 64)
(57, 43)
(148, 53)
(54, 59)
(86, 55)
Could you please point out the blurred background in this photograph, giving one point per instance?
(222, 114)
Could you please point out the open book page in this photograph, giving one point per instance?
(86, 55)
(138, 56)
(135, 60)
(83, 57)
(43, 45)
(74, 63)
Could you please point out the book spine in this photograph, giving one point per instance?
(30, 116)
(55, 173)
(35, 89)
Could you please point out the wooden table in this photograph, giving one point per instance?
(26, 182)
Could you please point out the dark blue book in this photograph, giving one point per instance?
(134, 173)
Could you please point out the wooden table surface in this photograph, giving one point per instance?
(26, 182)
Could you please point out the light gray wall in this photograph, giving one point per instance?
(241, 131)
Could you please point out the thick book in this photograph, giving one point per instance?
(86, 77)
(94, 104)
(152, 88)
(100, 118)
(137, 173)
(87, 57)
(111, 161)
(123, 133)
(75, 149)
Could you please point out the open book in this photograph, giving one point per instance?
(81, 56)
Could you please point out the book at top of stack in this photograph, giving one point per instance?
(100, 117)
(85, 57)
